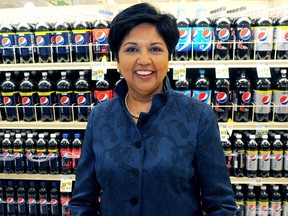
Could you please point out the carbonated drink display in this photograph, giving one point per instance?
(66, 154)
(252, 157)
(262, 99)
(10, 198)
(183, 49)
(44, 40)
(102, 91)
(46, 98)
(239, 198)
(264, 157)
(243, 38)
(32, 199)
(221, 100)
(275, 203)
(201, 36)
(280, 97)
(281, 37)
(10, 98)
(100, 32)
(263, 202)
(263, 37)
(201, 90)
(81, 37)
(25, 37)
(54, 199)
(182, 86)
(53, 153)
(64, 98)
(242, 98)
(83, 97)
(21, 199)
(8, 41)
(277, 157)
(7, 148)
(238, 157)
(62, 35)
(30, 145)
(43, 199)
(41, 150)
(227, 148)
(2, 200)
(28, 98)
(250, 202)
(76, 151)
(65, 199)
(19, 155)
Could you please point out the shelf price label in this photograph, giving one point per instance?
(255, 181)
(66, 183)
(179, 72)
(263, 71)
(99, 69)
(222, 71)
(261, 129)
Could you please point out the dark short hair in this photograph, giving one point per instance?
(132, 16)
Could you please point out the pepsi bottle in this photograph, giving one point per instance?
(83, 97)
(239, 198)
(54, 199)
(46, 98)
(76, 151)
(25, 37)
(100, 32)
(32, 199)
(238, 156)
(263, 201)
(64, 98)
(7, 149)
(11, 198)
(53, 153)
(66, 154)
(8, 43)
(182, 86)
(30, 154)
(2, 199)
(263, 37)
(21, 199)
(10, 98)
(227, 148)
(102, 91)
(280, 97)
(250, 202)
(62, 35)
(281, 37)
(252, 157)
(42, 154)
(19, 154)
(285, 201)
(275, 202)
(221, 100)
(65, 199)
(264, 157)
(201, 36)
(43, 199)
(262, 99)
(201, 90)
(81, 37)
(285, 146)
(277, 156)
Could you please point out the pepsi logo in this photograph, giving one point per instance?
(221, 97)
(100, 36)
(79, 39)
(262, 36)
(251, 207)
(22, 41)
(43, 201)
(102, 97)
(278, 157)
(203, 96)
(9, 200)
(206, 34)
(224, 34)
(7, 101)
(194, 33)
(21, 201)
(183, 33)
(6, 42)
(59, 40)
(264, 208)
(245, 34)
(265, 100)
(31, 201)
(6, 154)
(52, 39)
(44, 101)
(26, 101)
(40, 155)
(246, 97)
(283, 100)
(286, 36)
(51, 155)
(81, 100)
(64, 100)
(266, 157)
(252, 157)
(276, 208)
(29, 154)
(54, 202)
(17, 155)
(40, 41)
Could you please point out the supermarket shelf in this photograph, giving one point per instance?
(258, 181)
(254, 125)
(46, 177)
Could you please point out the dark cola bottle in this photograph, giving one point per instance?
(81, 38)
(227, 148)
(46, 98)
(241, 98)
(277, 156)
(183, 49)
(76, 151)
(19, 154)
(66, 154)
(102, 91)
(263, 201)
(11, 198)
(32, 199)
(280, 97)
(281, 36)
(42, 154)
(83, 97)
(262, 99)
(221, 99)
(8, 43)
(100, 32)
(238, 156)
(239, 198)
(275, 201)
(53, 154)
(250, 201)
(30, 154)
(54, 199)
(201, 89)
(182, 86)
(21, 199)
(62, 37)
(263, 37)
(251, 157)
(64, 98)
(7, 149)
(264, 161)
(43, 199)
(285, 147)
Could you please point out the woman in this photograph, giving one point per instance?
(151, 151)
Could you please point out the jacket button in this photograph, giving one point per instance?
(137, 144)
(134, 201)
(135, 172)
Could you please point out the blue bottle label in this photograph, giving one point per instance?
(202, 38)
(184, 42)
(202, 95)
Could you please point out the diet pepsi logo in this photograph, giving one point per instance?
(26, 101)
(278, 157)
(252, 157)
(221, 97)
(245, 34)
(6, 42)
(251, 207)
(81, 100)
(246, 97)
(22, 41)
(102, 97)
(79, 39)
(183, 34)
(223, 34)
(203, 96)
(100, 36)
(264, 208)
(266, 157)
(7, 101)
(206, 34)
(40, 41)
(194, 34)
(64, 100)
(265, 100)
(286, 36)
(283, 100)
(262, 36)
(276, 208)
(44, 101)
(60, 40)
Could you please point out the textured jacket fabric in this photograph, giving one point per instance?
(159, 166)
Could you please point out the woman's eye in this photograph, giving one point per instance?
(155, 49)
(131, 49)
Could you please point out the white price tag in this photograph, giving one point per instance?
(179, 72)
(66, 183)
(222, 71)
(98, 72)
(263, 71)
(223, 133)
(255, 181)
(261, 129)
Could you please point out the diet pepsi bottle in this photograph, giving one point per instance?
(102, 91)
(81, 37)
(8, 43)
(264, 157)
(46, 98)
(262, 99)
(238, 156)
(182, 86)
(44, 41)
(281, 38)
(10, 98)
(64, 98)
(62, 35)
(28, 98)
(83, 97)
(280, 97)
(239, 198)
(277, 157)
(263, 201)
(201, 90)
(221, 100)
(252, 157)
(275, 202)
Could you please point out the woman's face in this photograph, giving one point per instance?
(143, 59)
